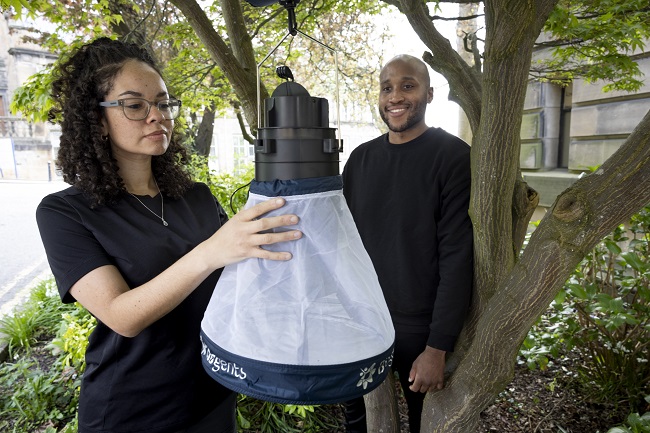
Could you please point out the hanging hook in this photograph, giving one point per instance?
(284, 72)
(290, 6)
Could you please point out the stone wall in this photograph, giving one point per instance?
(567, 131)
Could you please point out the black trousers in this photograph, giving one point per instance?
(220, 420)
(408, 346)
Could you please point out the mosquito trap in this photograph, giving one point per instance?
(314, 329)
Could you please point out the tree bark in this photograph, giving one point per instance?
(203, 140)
(240, 40)
(511, 30)
(464, 30)
(524, 202)
(381, 407)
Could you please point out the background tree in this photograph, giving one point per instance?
(209, 52)
(160, 27)
(511, 291)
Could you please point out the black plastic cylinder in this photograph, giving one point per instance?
(296, 141)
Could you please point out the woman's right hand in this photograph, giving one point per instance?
(245, 233)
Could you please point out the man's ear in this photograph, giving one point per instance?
(429, 95)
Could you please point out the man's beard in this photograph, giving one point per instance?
(413, 118)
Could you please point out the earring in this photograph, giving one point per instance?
(104, 137)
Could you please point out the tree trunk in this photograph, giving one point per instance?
(381, 408)
(579, 219)
(203, 140)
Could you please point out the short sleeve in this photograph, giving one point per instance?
(72, 250)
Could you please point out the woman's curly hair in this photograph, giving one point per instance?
(85, 159)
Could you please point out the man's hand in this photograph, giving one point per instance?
(428, 371)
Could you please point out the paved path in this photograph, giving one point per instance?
(22, 257)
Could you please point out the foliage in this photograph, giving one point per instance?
(32, 99)
(634, 423)
(36, 393)
(190, 71)
(35, 397)
(266, 417)
(602, 316)
(231, 190)
(595, 39)
(72, 338)
(36, 317)
(358, 39)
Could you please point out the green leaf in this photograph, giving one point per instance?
(612, 247)
(577, 291)
(635, 262)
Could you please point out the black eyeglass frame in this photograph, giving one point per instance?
(120, 103)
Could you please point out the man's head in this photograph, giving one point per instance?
(404, 92)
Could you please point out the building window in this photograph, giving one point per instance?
(565, 126)
(244, 154)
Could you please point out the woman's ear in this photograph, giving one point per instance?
(104, 127)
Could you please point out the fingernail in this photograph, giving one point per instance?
(279, 201)
(297, 234)
(294, 219)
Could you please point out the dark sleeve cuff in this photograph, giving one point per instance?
(442, 342)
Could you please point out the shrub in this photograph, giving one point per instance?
(72, 338)
(230, 190)
(634, 423)
(602, 316)
(39, 392)
(37, 316)
(266, 417)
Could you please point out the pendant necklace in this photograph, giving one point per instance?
(162, 205)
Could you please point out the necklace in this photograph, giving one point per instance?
(162, 205)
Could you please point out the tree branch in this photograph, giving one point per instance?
(239, 75)
(464, 82)
(240, 41)
(240, 120)
(463, 18)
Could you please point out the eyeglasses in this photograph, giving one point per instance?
(139, 108)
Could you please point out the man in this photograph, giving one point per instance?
(408, 192)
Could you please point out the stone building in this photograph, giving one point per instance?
(567, 131)
(25, 148)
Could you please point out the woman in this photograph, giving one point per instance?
(140, 245)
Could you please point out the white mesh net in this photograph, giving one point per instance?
(323, 307)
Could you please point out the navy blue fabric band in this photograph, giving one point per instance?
(294, 384)
(312, 185)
